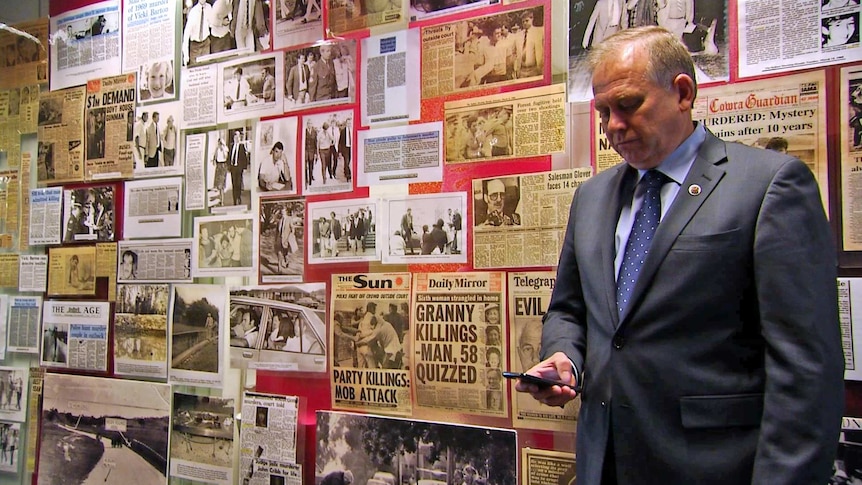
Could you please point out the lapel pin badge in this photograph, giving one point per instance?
(694, 189)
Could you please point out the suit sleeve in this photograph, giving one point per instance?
(795, 278)
(564, 327)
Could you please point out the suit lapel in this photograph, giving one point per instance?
(621, 188)
(703, 173)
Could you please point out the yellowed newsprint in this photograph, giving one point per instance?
(529, 296)
(459, 343)
(25, 53)
(8, 271)
(370, 343)
(520, 221)
(60, 156)
(546, 467)
(72, 270)
(349, 16)
(517, 124)
(850, 121)
(460, 56)
(785, 113)
(109, 121)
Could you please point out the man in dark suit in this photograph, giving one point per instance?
(715, 357)
(323, 87)
(310, 151)
(345, 135)
(238, 162)
(297, 80)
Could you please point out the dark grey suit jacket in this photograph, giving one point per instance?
(726, 367)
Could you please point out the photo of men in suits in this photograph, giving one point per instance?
(320, 75)
(695, 295)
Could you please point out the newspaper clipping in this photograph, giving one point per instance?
(154, 261)
(33, 273)
(701, 25)
(440, 218)
(195, 163)
(398, 155)
(197, 334)
(9, 264)
(476, 53)
(850, 297)
(268, 442)
(45, 207)
(424, 9)
(323, 74)
(342, 230)
(23, 328)
(281, 240)
(248, 87)
(440, 453)
(25, 56)
(152, 208)
(75, 335)
(11, 432)
(155, 136)
(199, 96)
(850, 121)
(481, 129)
(847, 467)
(296, 22)
(202, 435)
(371, 345)
(278, 328)
(103, 430)
(275, 157)
(786, 114)
(225, 246)
(84, 41)
(529, 296)
(546, 467)
(327, 148)
(459, 346)
(787, 36)
(88, 213)
(141, 331)
(352, 16)
(14, 395)
(391, 79)
(60, 156)
(72, 270)
(145, 21)
(520, 221)
(109, 124)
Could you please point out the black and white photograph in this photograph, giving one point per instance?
(196, 315)
(155, 137)
(835, 4)
(320, 75)
(157, 81)
(225, 246)
(370, 334)
(282, 240)
(353, 448)
(847, 467)
(425, 228)
(840, 30)
(423, 9)
(342, 231)
(229, 169)
(855, 121)
(202, 435)
(500, 49)
(216, 29)
(296, 22)
(13, 394)
(496, 202)
(10, 446)
(248, 87)
(95, 128)
(275, 157)
(140, 330)
(481, 134)
(50, 111)
(278, 328)
(700, 24)
(327, 140)
(96, 430)
(55, 343)
(45, 161)
(88, 214)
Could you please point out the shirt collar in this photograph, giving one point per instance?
(678, 163)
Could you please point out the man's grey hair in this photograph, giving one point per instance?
(667, 56)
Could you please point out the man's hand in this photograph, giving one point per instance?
(558, 367)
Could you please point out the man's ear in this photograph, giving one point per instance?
(685, 87)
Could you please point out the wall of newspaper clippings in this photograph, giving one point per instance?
(272, 241)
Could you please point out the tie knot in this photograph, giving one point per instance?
(653, 179)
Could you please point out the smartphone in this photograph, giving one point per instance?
(539, 381)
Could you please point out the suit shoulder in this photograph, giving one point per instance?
(761, 160)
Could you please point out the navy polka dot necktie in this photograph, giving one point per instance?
(640, 238)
